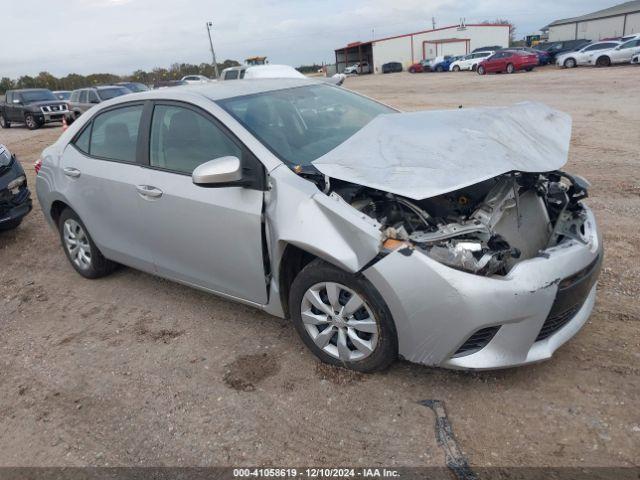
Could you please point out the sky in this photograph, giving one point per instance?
(120, 36)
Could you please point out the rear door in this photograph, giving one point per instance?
(206, 237)
(101, 174)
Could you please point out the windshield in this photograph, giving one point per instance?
(111, 92)
(63, 95)
(302, 124)
(31, 96)
(136, 87)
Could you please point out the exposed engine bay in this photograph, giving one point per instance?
(485, 228)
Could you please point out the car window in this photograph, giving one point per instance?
(242, 73)
(9, 97)
(82, 142)
(182, 139)
(93, 97)
(114, 134)
(111, 92)
(231, 75)
(84, 96)
(75, 95)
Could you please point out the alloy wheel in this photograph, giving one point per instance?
(339, 321)
(3, 122)
(30, 121)
(77, 244)
(570, 63)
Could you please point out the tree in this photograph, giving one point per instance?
(6, 84)
(503, 21)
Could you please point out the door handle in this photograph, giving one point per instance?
(71, 172)
(149, 191)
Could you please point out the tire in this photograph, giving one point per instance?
(412, 70)
(603, 61)
(481, 70)
(529, 69)
(474, 68)
(510, 68)
(570, 63)
(31, 122)
(456, 68)
(439, 68)
(378, 345)
(4, 123)
(95, 266)
(10, 225)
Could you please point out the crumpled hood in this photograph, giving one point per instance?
(424, 154)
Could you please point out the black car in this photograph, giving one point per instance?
(555, 49)
(15, 198)
(32, 106)
(392, 67)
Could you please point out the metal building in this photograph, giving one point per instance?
(617, 21)
(413, 47)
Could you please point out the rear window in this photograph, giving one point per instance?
(114, 135)
(231, 75)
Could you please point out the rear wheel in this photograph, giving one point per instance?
(412, 70)
(439, 68)
(603, 61)
(342, 318)
(83, 254)
(31, 122)
(570, 63)
(4, 123)
(510, 68)
(529, 69)
(481, 70)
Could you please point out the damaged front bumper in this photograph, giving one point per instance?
(449, 318)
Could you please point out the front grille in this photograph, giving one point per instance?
(53, 108)
(572, 293)
(477, 341)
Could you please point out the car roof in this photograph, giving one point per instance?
(221, 90)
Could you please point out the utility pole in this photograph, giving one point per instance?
(213, 53)
(433, 22)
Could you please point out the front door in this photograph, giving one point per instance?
(206, 237)
(101, 177)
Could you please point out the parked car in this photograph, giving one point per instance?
(168, 84)
(32, 106)
(358, 68)
(15, 198)
(392, 67)
(620, 54)
(133, 86)
(494, 48)
(543, 57)
(470, 61)
(277, 194)
(443, 64)
(581, 57)
(62, 94)
(195, 79)
(419, 67)
(234, 73)
(558, 48)
(83, 99)
(508, 61)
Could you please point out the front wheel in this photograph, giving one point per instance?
(412, 70)
(439, 68)
(31, 122)
(342, 318)
(570, 63)
(510, 68)
(456, 68)
(481, 70)
(4, 123)
(83, 254)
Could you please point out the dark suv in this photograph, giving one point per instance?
(32, 106)
(83, 99)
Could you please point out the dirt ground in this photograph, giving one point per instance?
(135, 370)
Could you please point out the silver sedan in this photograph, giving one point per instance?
(448, 238)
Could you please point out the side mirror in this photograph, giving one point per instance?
(218, 172)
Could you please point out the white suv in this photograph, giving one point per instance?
(471, 61)
(581, 57)
(358, 68)
(620, 54)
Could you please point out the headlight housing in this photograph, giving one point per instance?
(16, 182)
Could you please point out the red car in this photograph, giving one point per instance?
(421, 66)
(508, 61)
